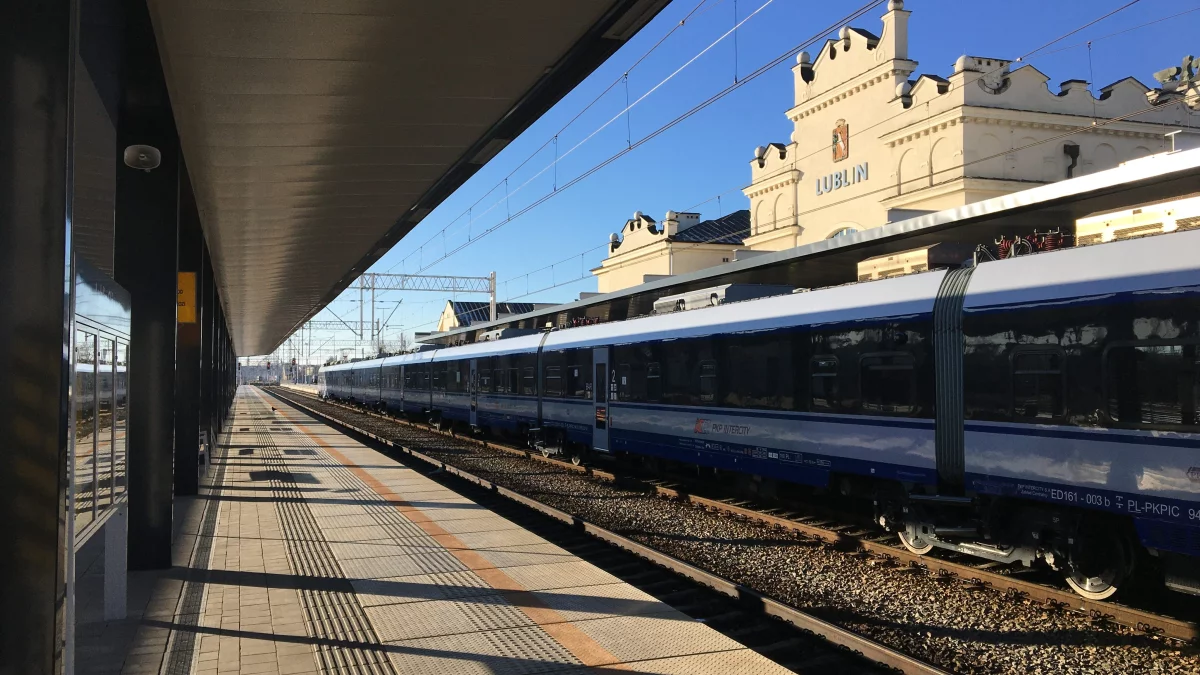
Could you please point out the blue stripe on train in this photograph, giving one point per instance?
(797, 467)
(1168, 524)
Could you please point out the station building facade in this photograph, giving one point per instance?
(874, 142)
(680, 243)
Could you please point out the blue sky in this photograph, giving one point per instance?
(708, 154)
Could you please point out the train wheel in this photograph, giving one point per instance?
(1099, 562)
(545, 452)
(914, 541)
(576, 458)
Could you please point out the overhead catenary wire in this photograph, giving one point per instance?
(725, 92)
(1024, 57)
(1019, 59)
(695, 12)
(659, 131)
(625, 113)
(891, 186)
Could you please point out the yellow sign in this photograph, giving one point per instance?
(185, 305)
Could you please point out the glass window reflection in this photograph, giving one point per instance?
(84, 393)
(102, 466)
(120, 425)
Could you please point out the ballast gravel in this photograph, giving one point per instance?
(977, 632)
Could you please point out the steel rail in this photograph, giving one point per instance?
(835, 634)
(1099, 610)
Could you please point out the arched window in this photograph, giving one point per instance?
(842, 232)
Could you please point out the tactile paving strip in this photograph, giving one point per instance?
(420, 587)
(496, 636)
(516, 651)
(345, 642)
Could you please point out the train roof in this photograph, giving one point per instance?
(413, 357)
(1152, 263)
(348, 366)
(873, 300)
(524, 344)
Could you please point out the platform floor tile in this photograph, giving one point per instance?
(516, 651)
(420, 587)
(330, 557)
(569, 574)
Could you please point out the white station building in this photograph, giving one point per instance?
(874, 142)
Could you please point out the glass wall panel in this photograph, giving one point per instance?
(104, 422)
(120, 426)
(85, 429)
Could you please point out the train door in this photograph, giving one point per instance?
(600, 397)
(473, 388)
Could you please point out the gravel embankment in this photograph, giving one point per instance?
(942, 622)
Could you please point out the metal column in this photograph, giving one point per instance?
(36, 168)
(187, 337)
(145, 264)
(207, 368)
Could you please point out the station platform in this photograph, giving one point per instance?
(323, 555)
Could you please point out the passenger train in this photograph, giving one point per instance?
(86, 385)
(1042, 409)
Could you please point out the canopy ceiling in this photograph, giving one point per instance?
(317, 133)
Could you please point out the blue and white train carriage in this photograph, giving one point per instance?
(1037, 408)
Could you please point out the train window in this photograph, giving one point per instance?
(823, 373)
(708, 381)
(601, 386)
(454, 378)
(553, 381)
(513, 381)
(485, 381)
(631, 382)
(654, 386)
(1155, 385)
(529, 381)
(1037, 384)
(888, 383)
(577, 382)
(464, 375)
(756, 376)
(679, 377)
(439, 376)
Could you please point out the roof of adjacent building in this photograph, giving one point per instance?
(470, 312)
(730, 229)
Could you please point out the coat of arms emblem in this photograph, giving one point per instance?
(841, 141)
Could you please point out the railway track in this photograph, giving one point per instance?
(974, 573)
(1037, 603)
(750, 617)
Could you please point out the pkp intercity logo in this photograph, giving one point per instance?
(705, 426)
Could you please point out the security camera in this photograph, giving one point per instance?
(144, 157)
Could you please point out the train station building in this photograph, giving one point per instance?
(873, 141)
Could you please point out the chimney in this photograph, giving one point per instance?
(1072, 85)
(670, 223)
(895, 31)
(676, 222)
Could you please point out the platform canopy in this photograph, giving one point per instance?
(317, 133)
